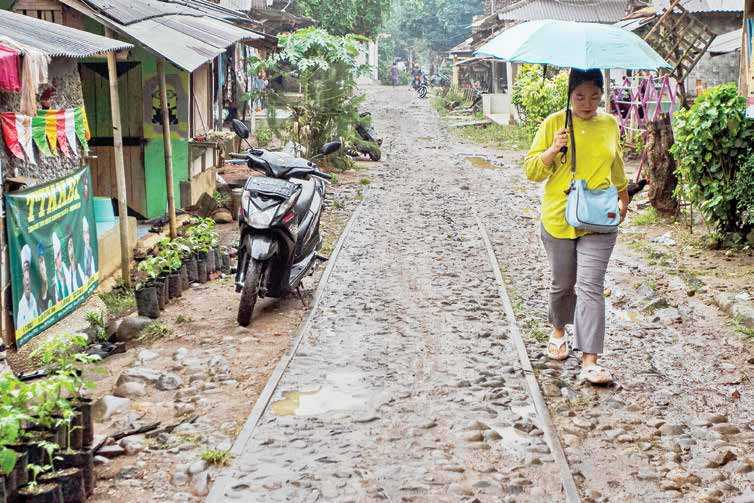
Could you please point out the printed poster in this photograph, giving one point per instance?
(52, 244)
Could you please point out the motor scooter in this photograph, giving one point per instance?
(278, 222)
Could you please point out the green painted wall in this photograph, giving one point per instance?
(154, 153)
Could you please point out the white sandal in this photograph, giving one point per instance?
(595, 374)
(555, 346)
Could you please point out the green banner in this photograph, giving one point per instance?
(52, 244)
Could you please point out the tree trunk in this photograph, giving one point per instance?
(660, 166)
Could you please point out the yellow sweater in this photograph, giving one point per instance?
(599, 161)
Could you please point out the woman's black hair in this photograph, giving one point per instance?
(578, 77)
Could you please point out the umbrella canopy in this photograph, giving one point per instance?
(569, 44)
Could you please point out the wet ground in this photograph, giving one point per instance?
(407, 386)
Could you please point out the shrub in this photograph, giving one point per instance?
(713, 149)
(264, 136)
(536, 97)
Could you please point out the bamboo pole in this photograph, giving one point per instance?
(120, 170)
(168, 147)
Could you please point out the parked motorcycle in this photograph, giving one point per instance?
(419, 84)
(440, 80)
(278, 222)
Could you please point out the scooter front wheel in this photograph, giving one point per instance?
(250, 292)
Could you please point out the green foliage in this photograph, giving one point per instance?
(326, 67)
(155, 330)
(263, 136)
(647, 217)
(221, 198)
(450, 99)
(502, 137)
(62, 352)
(118, 301)
(98, 323)
(216, 457)
(436, 25)
(713, 149)
(343, 17)
(536, 97)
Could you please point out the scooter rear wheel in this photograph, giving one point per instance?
(250, 292)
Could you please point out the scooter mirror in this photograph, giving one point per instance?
(329, 148)
(240, 128)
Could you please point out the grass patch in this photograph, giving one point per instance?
(534, 330)
(334, 178)
(183, 319)
(648, 216)
(154, 331)
(365, 181)
(119, 301)
(216, 457)
(742, 329)
(495, 135)
(97, 322)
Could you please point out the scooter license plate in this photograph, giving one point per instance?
(271, 186)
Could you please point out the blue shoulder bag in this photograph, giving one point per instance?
(590, 210)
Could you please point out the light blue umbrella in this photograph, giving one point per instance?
(568, 44)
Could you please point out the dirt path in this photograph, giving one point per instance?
(206, 373)
(407, 386)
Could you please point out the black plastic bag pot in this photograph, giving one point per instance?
(211, 263)
(71, 481)
(225, 258)
(19, 477)
(148, 301)
(175, 288)
(191, 269)
(184, 277)
(3, 491)
(84, 406)
(43, 493)
(84, 460)
(201, 266)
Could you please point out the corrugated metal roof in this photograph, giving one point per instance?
(585, 11)
(725, 43)
(634, 24)
(54, 39)
(704, 5)
(187, 41)
(132, 11)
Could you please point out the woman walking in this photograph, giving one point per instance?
(578, 259)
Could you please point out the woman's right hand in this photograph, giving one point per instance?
(560, 141)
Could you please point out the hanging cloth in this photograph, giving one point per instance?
(33, 74)
(86, 123)
(70, 130)
(10, 134)
(62, 140)
(38, 126)
(17, 135)
(51, 129)
(82, 127)
(10, 80)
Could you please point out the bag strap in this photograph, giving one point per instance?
(569, 125)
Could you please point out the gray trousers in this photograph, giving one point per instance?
(578, 285)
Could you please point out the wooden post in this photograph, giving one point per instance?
(120, 170)
(168, 147)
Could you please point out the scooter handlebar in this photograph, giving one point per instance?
(320, 174)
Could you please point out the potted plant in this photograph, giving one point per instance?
(147, 293)
(172, 261)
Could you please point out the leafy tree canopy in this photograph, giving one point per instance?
(343, 17)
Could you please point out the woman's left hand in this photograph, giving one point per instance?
(623, 208)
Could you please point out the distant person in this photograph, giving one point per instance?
(27, 305)
(89, 266)
(46, 297)
(62, 279)
(394, 74)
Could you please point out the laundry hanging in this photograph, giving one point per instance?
(18, 135)
(10, 80)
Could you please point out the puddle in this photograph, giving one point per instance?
(341, 392)
(480, 162)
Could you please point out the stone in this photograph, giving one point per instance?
(726, 429)
(180, 354)
(111, 451)
(746, 497)
(133, 445)
(200, 484)
(107, 406)
(718, 459)
(130, 390)
(672, 429)
(583, 423)
(197, 467)
(743, 312)
(180, 478)
(130, 328)
(101, 460)
(717, 419)
(146, 355)
(169, 382)
(222, 216)
(139, 374)
(667, 315)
